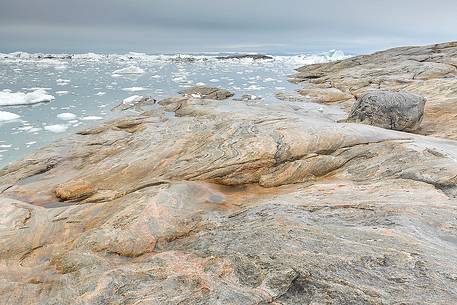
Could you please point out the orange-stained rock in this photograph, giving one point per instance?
(74, 190)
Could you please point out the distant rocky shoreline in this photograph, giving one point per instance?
(209, 200)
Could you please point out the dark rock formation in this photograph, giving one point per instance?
(387, 109)
(246, 56)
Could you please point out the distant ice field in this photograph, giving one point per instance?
(44, 97)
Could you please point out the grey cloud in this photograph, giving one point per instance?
(203, 25)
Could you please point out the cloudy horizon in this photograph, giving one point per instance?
(173, 26)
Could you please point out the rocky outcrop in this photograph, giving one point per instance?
(387, 109)
(428, 71)
(231, 202)
(207, 93)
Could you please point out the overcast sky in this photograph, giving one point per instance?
(171, 26)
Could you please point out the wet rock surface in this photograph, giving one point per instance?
(231, 202)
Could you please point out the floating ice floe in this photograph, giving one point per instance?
(135, 89)
(8, 98)
(100, 93)
(91, 118)
(33, 89)
(66, 116)
(129, 70)
(60, 67)
(57, 128)
(60, 93)
(254, 87)
(8, 116)
(62, 82)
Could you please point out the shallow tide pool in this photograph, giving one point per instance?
(80, 91)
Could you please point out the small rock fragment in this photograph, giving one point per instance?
(74, 190)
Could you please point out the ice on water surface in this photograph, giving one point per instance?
(44, 97)
(9, 98)
(8, 116)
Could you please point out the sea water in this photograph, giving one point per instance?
(46, 97)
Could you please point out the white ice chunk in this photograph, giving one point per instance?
(135, 89)
(91, 118)
(57, 128)
(132, 99)
(8, 116)
(66, 116)
(20, 98)
(62, 82)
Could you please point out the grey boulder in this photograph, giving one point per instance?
(401, 110)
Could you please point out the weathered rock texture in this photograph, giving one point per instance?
(207, 93)
(230, 202)
(401, 111)
(429, 71)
